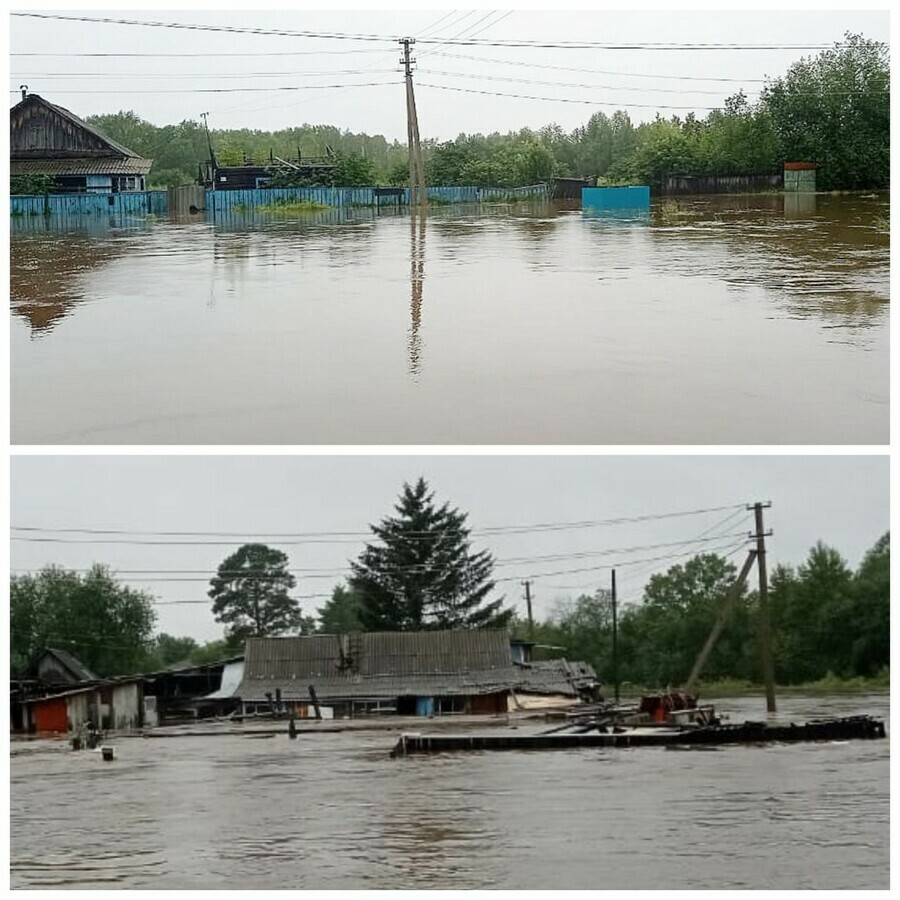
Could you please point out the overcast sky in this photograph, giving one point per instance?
(639, 81)
(843, 501)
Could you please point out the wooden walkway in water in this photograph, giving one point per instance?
(854, 727)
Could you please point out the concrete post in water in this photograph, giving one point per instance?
(292, 729)
(109, 754)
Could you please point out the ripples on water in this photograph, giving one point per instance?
(334, 811)
(720, 320)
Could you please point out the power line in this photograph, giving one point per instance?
(583, 71)
(565, 84)
(180, 75)
(444, 87)
(193, 55)
(300, 535)
(240, 90)
(190, 575)
(467, 41)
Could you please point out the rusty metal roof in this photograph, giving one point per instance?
(377, 665)
(101, 165)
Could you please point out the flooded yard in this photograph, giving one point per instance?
(740, 319)
(334, 811)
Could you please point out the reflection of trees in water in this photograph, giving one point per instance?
(825, 255)
(50, 263)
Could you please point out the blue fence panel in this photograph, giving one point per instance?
(616, 198)
(137, 203)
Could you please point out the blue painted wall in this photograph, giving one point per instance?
(614, 198)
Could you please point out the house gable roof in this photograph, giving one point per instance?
(66, 135)
(77, 669)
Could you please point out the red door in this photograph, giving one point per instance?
(51, 715)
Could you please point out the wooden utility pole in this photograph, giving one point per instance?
(765, 628)
(615, 637)
(724, 612)
(528, 607)
(416, 166)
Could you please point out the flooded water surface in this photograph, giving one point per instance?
(719, 320)
(334, 811)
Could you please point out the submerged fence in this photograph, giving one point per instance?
(137, 203)
(157, 202)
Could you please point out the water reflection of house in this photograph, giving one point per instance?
(409, 673)
(45, 139)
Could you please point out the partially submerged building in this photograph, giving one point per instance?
(114, 704)
(407, 673)
(48, 140)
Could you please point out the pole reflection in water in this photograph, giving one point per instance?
(417, 280)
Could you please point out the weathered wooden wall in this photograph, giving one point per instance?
(35, 131)
(720, 184)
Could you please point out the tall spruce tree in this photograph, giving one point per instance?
(422, 574)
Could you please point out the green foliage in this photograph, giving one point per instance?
(31, 184)
(168, 650)
(829, 625)
(834, 109)
(250, 594)
(288, 206)
(422, 574)
(341, 614)
(353, 170)
(104, 624)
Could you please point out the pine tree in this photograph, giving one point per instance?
(250, 594)
(423, 574)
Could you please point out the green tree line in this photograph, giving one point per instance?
(826, 620)
(832, 109)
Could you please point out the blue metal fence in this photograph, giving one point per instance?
(226, 202)
(135, 204)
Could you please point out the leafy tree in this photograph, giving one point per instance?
(341, 614)
(352, 170)
(834, 109)
(103, 623)
(423, 574)
(168, 650)
(250, 594)
(31, 184)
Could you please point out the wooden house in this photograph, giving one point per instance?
(48, 140)
(408, 673)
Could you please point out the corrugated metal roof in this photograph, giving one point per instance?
(109, 165)
(378, 665)
(232, 675)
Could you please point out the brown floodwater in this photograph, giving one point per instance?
(334, 811)
(740, 319)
